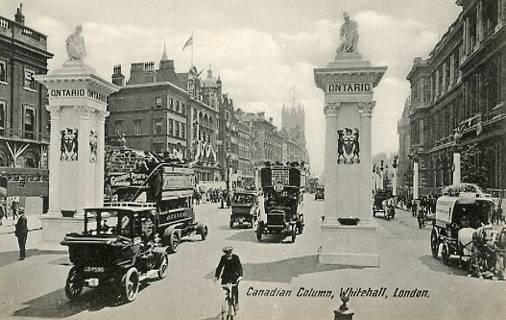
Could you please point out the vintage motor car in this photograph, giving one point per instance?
(244, 208)
(283, 191)
(320, 193)
(119, 246)
(460, 206)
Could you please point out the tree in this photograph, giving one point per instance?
(472, 165)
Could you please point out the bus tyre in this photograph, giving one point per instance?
(202, 230)
(434, 243)
(445, 254)
(172, 240)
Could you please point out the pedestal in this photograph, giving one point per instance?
(78, 107)
(348, 84)
(456, 168)
(415, 180)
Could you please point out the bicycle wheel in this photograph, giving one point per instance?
(231, 309)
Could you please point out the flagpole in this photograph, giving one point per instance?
(192, 47)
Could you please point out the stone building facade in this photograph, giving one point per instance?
(461, 88)
(24, 120)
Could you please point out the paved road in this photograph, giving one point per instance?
(33, 288)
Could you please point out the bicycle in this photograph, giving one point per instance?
(228, 307)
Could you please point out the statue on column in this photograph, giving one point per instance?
(348, 35)
(75, 45)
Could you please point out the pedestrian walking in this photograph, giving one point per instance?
(3, 209)
(14, 208)
(22, 233)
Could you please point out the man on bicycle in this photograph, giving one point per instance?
(232, 272)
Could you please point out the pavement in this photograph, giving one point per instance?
(33, 288)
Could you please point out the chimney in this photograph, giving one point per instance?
(270, 119)
(117, 78)
(19, 17)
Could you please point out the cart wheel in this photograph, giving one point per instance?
(445, 254)
(74, 284)
(164, 266)
(374, 213)
(434, 243)
(294, 233)
(173, 241)
(131, 284)
(260, 230)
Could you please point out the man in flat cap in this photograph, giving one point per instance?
(232, 272)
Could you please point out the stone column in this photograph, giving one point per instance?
(365, 110)
(479, 24)
(99, 184)
(415, 179)
(85, 186)
(54, 159)
(501, 14)
(456, 179)
(330, 170)
(452, 70)
(465, 27)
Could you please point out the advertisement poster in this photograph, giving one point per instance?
(345, 122)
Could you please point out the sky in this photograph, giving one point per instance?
(259, 48)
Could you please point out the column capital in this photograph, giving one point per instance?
(102, 115)
(366, 108)
(331, 109)
(54, 111)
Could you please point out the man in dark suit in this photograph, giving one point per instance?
(232, 272)
(22, 233)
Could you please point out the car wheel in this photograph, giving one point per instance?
(434, 243)
(164, 266)
(231, 224)
(131, 284)
(74, 284)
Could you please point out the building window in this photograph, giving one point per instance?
(29, 81)
(2, 117)
(3, 71)
(28, 122)
(171, 103)
(118, 126)
(158, 102)
(183, 131)
(171, 127)
(158, 126)
(183, 108)
(177, 106)
(137, 127)
(177, 129)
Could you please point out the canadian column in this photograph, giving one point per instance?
(415, 178)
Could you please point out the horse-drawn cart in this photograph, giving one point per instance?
(460, 229)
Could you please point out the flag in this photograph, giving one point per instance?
(188, 42)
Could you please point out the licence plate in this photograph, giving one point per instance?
(93, 282)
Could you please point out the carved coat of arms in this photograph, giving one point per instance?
(348, 147)
(93, 146)
(69, 146)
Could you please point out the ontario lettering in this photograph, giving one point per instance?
(77, 93)
(349, 87)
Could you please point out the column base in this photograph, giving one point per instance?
(348, 245)
(55, 228)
